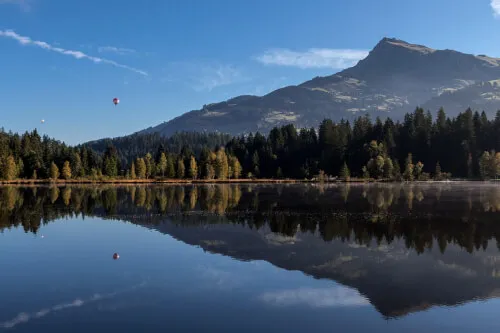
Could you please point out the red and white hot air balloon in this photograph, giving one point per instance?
(116, 101)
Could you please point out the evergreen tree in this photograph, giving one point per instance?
(345, 173)
(170, 167)
(148, 160)
(256, 164)
(20, 168)
(279, 173)
(77, 168)
(484, 165)
(438, 173)
(162, 164)
(132, 171)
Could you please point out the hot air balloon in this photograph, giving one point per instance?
(42, 121)
(116, 256)
(116, 101)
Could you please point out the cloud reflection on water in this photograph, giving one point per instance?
(24, 317)
(315, 297)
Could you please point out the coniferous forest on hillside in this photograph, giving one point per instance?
(418, 148)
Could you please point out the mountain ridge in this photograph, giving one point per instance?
(395, 78)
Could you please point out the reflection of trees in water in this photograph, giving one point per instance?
(423, 215)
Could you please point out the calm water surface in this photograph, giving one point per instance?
(229, 258)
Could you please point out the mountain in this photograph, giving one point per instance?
(393, 79)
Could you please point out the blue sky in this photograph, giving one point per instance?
(64, 61)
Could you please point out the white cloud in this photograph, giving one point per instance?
(23, 40)
(495, 5)
(317, 298)
(312, 58)
(23, 4)
(117, 50)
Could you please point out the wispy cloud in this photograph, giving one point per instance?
(495, 5)
(117, 50)
(23, 4)
(204, 77)
(213, 77)
(317, 298)
(312, 58)
(23, 40)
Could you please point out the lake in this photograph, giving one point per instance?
(420, 257)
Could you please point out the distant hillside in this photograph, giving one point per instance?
(131, 146)
(393, 79)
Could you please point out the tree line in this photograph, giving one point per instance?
(418, 148)
(30, 156)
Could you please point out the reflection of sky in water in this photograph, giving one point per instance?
(67, 281)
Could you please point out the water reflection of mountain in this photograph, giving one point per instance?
(404, 247)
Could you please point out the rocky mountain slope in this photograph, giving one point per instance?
(393, 79)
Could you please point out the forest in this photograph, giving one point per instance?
(418, 148)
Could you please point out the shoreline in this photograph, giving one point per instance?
(215, 181)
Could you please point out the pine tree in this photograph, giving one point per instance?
(484, 165)
(438, 173)
(193, 168)
(256, 164)
(470, 171)
(20, 168)
(110, 166)
(54, 171)
(170, 167)
(148, 160)
(279, 173)
(345, 173)
(181, 169)
(66, 170)
(397, 169)
(77, 168)
(132, 171)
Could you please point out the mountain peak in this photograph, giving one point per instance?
(387, 42)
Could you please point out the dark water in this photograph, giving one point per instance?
(290, 258)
